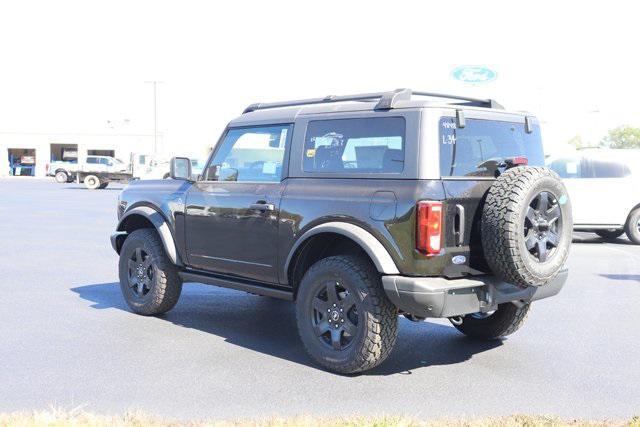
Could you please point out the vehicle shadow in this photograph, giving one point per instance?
(268, 325)
(629, 277)
(102, 189)
(595, 239)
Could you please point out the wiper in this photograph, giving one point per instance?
(497, 163)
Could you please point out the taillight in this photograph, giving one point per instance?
(429, 228)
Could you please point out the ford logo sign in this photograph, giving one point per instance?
(474, 74)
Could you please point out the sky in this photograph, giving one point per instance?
(81, 67)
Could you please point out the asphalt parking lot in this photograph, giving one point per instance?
(67, 339)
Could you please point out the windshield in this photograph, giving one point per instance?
(477, 148)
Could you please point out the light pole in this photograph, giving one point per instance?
(155, 114)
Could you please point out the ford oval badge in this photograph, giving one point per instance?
(474, 74)
(459, 259)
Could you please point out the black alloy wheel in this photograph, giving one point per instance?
(141, 272)
(335, 316)
(543, 226)
(149, 282)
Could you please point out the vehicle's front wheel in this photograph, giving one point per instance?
(61, 177)
(609, 234)
(632, 227)
(345, 320)
(148, 280)
(507, 319)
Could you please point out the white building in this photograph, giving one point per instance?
(23, 153)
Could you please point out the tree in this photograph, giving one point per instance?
(576, 141)
(622, 137)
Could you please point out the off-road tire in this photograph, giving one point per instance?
(92, 182)
(507, 319)
(62, 177)
(503, 226)
(166, 285)
(631, 228)
(103, 185)
(377, 326)
(610, 234)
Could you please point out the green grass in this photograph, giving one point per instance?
(80, 418)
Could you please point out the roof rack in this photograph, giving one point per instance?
(386, 100)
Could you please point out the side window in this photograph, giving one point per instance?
(250, 154)
(567, 167)
(104, 161)
(608, 169)
(372, 145)
(92, 160)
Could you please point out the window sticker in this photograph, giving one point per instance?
(269, 168)
(283, 137)
(311, 152)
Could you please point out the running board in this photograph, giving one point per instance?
(252, 287)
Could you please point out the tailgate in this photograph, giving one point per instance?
(465, 199)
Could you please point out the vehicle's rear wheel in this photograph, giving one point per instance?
(148, 280)
(62, 177)
(92, 182)
(632, 228)
(526, 226)
(103, 185)
(507, 319)
(345, 320)
(610, 234)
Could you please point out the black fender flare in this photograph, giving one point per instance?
(367, 241)
(161, 226)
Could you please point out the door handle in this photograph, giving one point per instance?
(459, 232)
(262, 207)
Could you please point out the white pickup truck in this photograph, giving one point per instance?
(98, 170)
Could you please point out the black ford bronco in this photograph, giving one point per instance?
(358, 208)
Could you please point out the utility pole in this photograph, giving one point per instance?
(155, 114)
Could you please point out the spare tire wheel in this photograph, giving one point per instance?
(526, 226)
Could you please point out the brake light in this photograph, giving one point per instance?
(519, 161)
(429, 227)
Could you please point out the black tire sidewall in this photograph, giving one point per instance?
(309, 287)
(633, 233)
(147, 303)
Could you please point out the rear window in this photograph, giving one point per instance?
(475, 149)
(372, 145)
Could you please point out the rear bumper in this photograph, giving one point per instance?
(441, 297)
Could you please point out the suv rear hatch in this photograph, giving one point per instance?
(471, 157)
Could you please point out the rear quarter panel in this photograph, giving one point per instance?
(308, 202)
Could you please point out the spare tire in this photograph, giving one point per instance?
(526, 226)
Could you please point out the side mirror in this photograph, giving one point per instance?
(180, 168)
